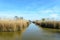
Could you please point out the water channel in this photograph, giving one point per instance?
(32, 32)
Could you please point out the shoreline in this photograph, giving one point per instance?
(48, 24)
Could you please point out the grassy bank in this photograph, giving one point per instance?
(13, 25)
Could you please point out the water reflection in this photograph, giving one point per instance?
(49, 34)
(50, 30)
(9, 36)
(33, 32)
(12, 35)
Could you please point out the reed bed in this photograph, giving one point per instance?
(48, 24)
(13, 25)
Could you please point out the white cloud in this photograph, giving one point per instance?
(46, 11)
(54, 15)
(54, 9)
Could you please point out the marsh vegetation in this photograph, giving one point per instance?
(48, 23)
(17, 24)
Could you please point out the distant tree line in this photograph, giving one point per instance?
(16, 17)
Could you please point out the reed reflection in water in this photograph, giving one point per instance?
(35, 32)
(32, 32)
(12, 35)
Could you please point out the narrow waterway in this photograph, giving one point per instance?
(33, 32)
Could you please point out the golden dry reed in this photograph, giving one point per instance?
(48, 24)
(13, 25)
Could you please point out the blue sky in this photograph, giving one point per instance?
(30, 9)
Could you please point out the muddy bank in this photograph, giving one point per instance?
(48, 24)
(13, 25)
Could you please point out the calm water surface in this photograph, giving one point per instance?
(33, 32)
